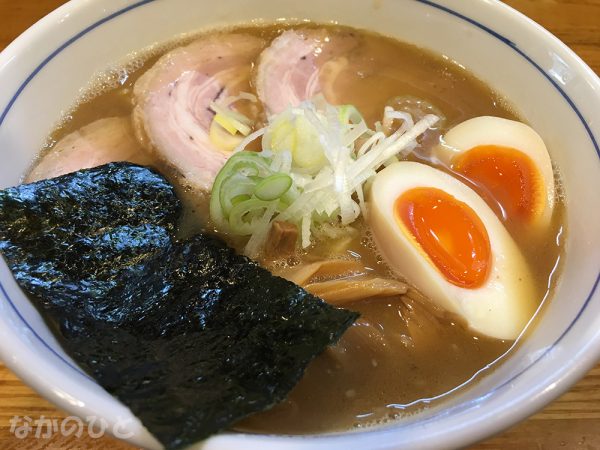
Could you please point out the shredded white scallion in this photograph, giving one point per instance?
(249, 139)
(222, 108)
(334, 193)
(306, 220)
(258, 238)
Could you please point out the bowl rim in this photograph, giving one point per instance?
(561, 379)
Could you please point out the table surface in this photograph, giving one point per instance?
(572, 421)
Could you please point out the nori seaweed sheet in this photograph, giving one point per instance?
(189, 335)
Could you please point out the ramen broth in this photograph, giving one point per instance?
(402, 350)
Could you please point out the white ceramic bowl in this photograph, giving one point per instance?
(41, 74)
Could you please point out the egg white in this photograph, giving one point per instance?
(487, 130)
(503, 305)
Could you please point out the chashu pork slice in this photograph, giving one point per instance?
(300, 64)
(172, 112)
(100, 142)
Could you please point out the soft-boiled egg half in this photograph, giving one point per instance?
(438, 234)
(509, 165)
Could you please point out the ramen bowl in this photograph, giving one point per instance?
(45, 70)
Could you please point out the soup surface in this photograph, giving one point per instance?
(403, 353)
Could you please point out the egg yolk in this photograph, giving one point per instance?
(449, 232)
(506, 175)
